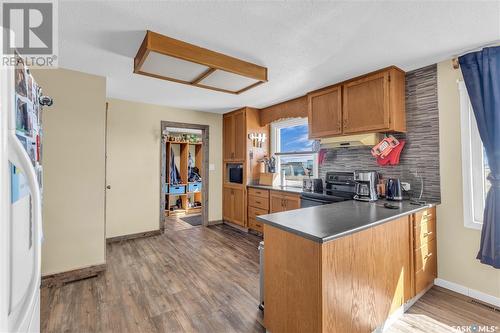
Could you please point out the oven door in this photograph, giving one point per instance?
(311, 202)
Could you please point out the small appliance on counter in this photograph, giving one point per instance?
(366, 185)
(312, 185)
(393, 190)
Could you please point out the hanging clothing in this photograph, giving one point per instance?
(193, 172)
(481, 71)
(175, 175)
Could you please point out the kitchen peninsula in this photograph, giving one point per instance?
(345, 267)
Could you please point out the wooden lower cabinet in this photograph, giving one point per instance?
(261, 202)
(283, 201)
(351, 284)
(424, 250)
(258, 204)
(234, 205)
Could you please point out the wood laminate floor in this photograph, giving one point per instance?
(197, 279)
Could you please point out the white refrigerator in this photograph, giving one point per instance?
(21, 201)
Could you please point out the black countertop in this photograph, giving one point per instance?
(328, 222)
(289, 189)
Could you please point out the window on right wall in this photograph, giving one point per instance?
(475, 168)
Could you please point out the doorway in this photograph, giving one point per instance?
(184, 178)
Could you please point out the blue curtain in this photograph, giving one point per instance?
(481, 71)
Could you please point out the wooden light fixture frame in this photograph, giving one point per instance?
(155, 42)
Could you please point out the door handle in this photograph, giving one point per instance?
(108, 187)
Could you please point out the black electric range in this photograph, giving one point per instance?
(339, 186)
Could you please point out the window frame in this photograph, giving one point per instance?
(472, 163)
(275, 146)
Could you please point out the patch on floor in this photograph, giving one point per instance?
(193, 220)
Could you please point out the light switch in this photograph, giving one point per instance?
(211, 167)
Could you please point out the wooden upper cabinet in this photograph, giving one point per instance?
(375, 103)
(234, 136)
(325, 112)
(228, 145)
(370, 103)
(240, 136)
(366, 104)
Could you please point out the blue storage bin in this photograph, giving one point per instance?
(177, 189)
(194, 187)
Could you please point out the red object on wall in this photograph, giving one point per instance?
(321, 156)
(393, 157)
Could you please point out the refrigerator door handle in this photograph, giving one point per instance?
(18, 155)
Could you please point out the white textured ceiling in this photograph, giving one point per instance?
(305, 45)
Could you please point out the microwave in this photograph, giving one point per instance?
(235, 173)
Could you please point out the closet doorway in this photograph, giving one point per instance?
(184, 174)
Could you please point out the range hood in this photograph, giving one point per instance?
(358, 140)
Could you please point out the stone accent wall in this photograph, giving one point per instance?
(421, 153)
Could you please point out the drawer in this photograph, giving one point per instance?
(425, 215)
(254, 212)
(194, 187)
(258, 202)
(424, 232)
(425, 277)
(257, 192)
(255, 225)
(176, 189)
(425, 256)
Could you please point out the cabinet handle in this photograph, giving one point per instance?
(258, 202)
(427, 233)
(345, 123)
(339, 125)
(428, 255)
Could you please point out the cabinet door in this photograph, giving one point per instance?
(292, 202)
(227, 204)
(240, 136)
(325, 113)
(276, 202)
(366, 104)
(239, 206)
(228, 145)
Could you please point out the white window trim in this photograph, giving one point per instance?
(275, 143)
(469, 164)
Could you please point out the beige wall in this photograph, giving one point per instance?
(133, 164)
(457, 245)
(73, 164)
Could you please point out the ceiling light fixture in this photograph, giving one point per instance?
(170, 59)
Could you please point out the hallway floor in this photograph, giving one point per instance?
(197, 279)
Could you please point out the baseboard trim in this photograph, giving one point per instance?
(59, 279)
(478, 295)
(215, 222)
(133, 236)
(399, 312)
